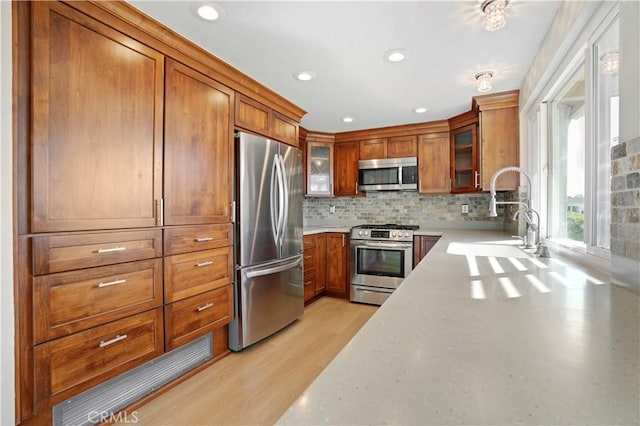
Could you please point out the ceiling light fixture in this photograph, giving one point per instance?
(420, 110)
(304, 75)
(483, 79)
(495, 14)
(347, 119)
(610, 62)
(395, 55)
(208, 12)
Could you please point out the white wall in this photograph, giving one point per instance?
(7, 388)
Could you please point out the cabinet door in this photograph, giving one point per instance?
(346, 168)
(198, 148)
(321, 272)
(499, 137)
(464, 168)
(336, 278)
(319, 168)
(373, 149)
(252, 115)
(422, 244)
(433, 164)
(402, 146)
(284, 129)
(96, 124)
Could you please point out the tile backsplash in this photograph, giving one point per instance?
(404, 207)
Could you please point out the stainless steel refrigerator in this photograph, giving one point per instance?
(268, 194)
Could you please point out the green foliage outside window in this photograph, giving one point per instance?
(575, 226)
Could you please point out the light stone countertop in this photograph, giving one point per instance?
(310, 230)
(471, 338)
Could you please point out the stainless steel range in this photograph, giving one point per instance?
(381, 258)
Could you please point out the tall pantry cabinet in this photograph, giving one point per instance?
(124, 165)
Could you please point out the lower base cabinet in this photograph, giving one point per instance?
(325, 265)
(421, 246)
(196, 316)
(72, 364)
(337, 264)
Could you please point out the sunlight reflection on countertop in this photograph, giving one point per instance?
(487, 337)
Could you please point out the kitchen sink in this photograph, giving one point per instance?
(487, 249)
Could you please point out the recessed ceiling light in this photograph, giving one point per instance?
(420, 110)
(304, 75)
(395, 55)
(208, 12)
(483, 80)
(347, 119)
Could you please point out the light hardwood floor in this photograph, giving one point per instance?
(257, 385)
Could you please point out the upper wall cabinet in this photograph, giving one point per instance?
(465, 171)
(499, 137)
(396, 147)
(96, 124)
(198, 165)
(373, 149)
(252, 115)
(402, 146)
(346, 168)
(433, 164)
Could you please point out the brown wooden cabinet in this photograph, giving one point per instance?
(434, 174)
(96, 124)
(421, 246)
(314, 265)
(465, 172)
(373, 149)
(402, 146)
(499, 137)
(346, 168)
(337, 264)
(198, 163)
(256, 117)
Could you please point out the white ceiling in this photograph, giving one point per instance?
(343, 44)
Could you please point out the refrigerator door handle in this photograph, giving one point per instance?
(275, 225)
(275, 269)
(281, 201)
(285, 199)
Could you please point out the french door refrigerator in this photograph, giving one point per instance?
(268, 230)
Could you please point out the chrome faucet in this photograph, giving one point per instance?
(533, 226)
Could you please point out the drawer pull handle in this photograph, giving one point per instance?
(206, 263)
(110, 283)
(203, 239)
(308, 257)
(112, 341)
(111, 250)
(203, 307)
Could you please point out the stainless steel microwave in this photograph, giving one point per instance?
(388, 174)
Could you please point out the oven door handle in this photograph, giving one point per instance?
(383, 245)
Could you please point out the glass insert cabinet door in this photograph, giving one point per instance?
(463, 155)
(319, 169)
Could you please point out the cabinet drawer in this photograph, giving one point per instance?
(193, 317)
(308, 241)
(72, 301)
(69, 365)
(309, 259)
(68, 252)
(309, 285)
(194, 238)
(193, 273)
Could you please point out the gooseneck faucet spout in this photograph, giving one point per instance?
(533, 226)
(493, 203)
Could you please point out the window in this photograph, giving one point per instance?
(582, 128)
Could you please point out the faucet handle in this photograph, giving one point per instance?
(519, 238)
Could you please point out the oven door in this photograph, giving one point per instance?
(380, 263)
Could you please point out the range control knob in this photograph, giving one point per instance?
(393, 234)
(366, 233)
(406, 234)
